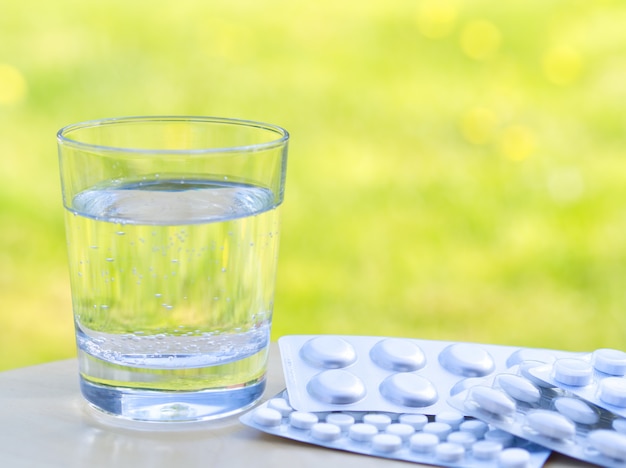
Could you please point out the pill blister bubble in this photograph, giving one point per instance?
(609, 443)
(416, 421)
(528, 354)
(609, 361)
(620, 425)
(613, 391)
(404, 431)
(462, 438)
(423, 442)
(576, 410)
(362, 432)
(491, 401)
(342, 420)
(328, 352)
(551, 424)
(486, 449)
(519, 388)
(525, 369)
(386, 443)
(336, 386)
(514, 458)
(467, 360)
(396, 354)
(573, 372)
(302, 420)
(441, 430)
(408, 389)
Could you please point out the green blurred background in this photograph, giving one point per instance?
(457, 168)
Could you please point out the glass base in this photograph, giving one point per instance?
(155, 406)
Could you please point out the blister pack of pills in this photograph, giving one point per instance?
(520, 404)
(446, 439)
(397, 375)
(597, 377)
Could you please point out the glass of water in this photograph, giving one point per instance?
(172, 232)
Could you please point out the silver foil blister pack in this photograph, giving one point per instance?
(397, 375)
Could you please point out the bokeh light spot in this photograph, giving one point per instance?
(562, 65)
(517, 142)
(12, 85)
(478, 125)
(436, 19)
(480, 39)
(566, 185)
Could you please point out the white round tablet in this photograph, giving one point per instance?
(609, 443)
(475, 426)
(361, 432)
(466, 360)
(576, 410)
(462, 438)
(610, 361)
(342, 420)
(386, 443)
(449, 452)
(519, 388)
(572, 372)
(281, 405)
(492, 401)
(416, 421)
(453, 418)
(504, 438)
(486, 449)
(302, 420)
(398, 354)
(379, 420)
(404, 431)
(551, 424)
(441, 430)
(267, 417)
(514, 458)
(325, 432)
(613, 391)
(408, 389)
(423, 442)
(337, 387)
(328, 352)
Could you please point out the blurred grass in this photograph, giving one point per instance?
(456, 168)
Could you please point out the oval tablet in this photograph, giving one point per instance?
(609, 361)
(613, 391)
(492, 401)
(577, 410)
(337, 387)
(467, 360)
(397, 354)
(573, 372)
(609, 443)
(328, 352)
(551, 424)
(407, 389)
(519, 388)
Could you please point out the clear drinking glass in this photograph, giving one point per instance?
(172, 232)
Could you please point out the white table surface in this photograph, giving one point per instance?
(45, 423)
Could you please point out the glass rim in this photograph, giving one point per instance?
(63, 135)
